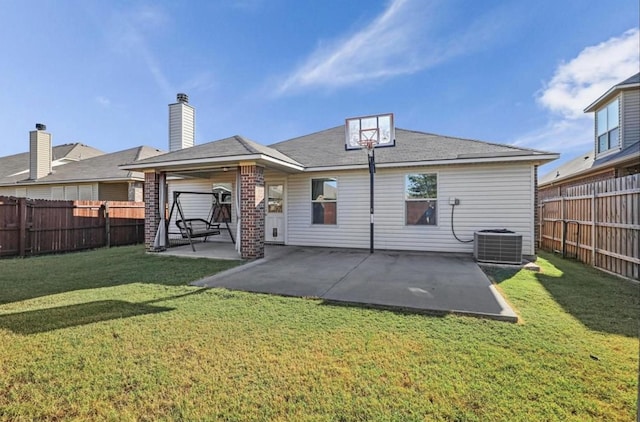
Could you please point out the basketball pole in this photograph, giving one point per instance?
(372, 169)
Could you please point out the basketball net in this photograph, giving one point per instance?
(368, 139)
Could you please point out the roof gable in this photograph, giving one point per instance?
(234, 146)
(629, 83)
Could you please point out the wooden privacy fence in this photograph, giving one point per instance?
(596, 223)
(36, 226)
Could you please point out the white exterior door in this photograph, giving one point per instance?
(274, 224)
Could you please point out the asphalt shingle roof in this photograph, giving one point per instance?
(97, 168)
(228, 147)
(326, 148)
(14, 168)
(586, 162)
(103, 167)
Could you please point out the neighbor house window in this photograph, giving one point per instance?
(421, 199)
(324, 198)
(607, 125)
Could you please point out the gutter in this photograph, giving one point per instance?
(210, 160)
(547, 157)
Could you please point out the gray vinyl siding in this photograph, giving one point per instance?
(491, 196)
(630, 115)
(39, 192)
(7, 192)
(113, 191)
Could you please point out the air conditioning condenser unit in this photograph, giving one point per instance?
(498, 246)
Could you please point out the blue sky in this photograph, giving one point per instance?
(508, 71)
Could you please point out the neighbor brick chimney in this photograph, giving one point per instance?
(40, 153)
(182, 123)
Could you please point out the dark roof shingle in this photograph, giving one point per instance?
(326, 148)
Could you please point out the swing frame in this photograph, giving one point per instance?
(195, 228)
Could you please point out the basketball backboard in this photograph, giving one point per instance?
(378, 129)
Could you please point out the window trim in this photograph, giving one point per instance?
(315, 201)
(436, 199)
(611, 143)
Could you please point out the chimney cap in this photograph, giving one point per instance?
(183, 98)
(41, 126)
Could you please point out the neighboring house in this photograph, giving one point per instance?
(71, 172)
(616, 150)
(311, 191)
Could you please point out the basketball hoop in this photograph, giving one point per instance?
(368, 139)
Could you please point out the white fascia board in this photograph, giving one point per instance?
(536, 158)
(608, 95)
(67, 181)
(282, 163)
(213, 161)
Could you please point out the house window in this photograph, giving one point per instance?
(421, 199)
(324, 198)
(607, 125)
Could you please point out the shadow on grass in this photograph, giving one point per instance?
(599, 301)
(383, 308)
(43, 320)
(602, 303)
(22, 279)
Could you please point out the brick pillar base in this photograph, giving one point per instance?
(151, 212)
(251, 211)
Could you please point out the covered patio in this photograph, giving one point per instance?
(236, 162)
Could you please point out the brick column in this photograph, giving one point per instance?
(151, 204)
(251, 211)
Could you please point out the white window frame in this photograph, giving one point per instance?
(436, 199)
(316, 201)
(611, 143)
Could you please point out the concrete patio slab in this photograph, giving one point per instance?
(424, 282)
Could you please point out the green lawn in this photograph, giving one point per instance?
(115, 334)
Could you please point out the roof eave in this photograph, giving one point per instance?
(210, 161)
(597, 169)
(608, 95)
(538, 159)
(22, 183)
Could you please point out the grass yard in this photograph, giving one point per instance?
(115, 334)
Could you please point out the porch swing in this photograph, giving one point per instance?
(195, 228)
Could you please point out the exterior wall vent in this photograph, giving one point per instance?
(498, 246)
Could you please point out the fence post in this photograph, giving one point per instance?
(22, 226)
(107, 224)
(594, 231)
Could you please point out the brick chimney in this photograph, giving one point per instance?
(40, 153)
(182, 124)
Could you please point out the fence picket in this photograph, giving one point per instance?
(34, 227)
(608, 211)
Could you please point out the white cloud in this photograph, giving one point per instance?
(597, 68)
(574, 86)
(401, 40)
(103, 101)
(129, 36)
